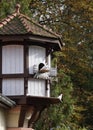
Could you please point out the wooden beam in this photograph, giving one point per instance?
(12, 75)
(19, 75)
(31, 121)
(0, 66)
(34, 38)
(22, 116)
(0, 85)
(36, 115)
(26, 67)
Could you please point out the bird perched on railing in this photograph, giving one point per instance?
(43, 72)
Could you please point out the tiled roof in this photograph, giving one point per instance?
(18, 23)
(5, 101)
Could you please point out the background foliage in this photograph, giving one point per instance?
(73, 20)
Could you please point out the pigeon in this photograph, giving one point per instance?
(60, 97)
(43, 68)
(42, 76)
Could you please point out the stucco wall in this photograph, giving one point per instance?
(20, 129)
(2, 119)
(13, 117)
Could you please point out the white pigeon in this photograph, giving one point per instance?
(42, 76)
(60, 97)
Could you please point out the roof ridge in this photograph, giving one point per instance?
(39, 25)
(7, 19)
(24, 23)
(20, 15)
(30, 29)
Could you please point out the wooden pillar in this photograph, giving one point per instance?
(0, 67)
(22, 116)
(26, 68)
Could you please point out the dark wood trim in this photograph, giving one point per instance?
(0, 59)
(6, 43)
(22, 116)
(36, 115)
(55, 42)
(25, 85)
(31, 121)
(35, 100)
(28, 37)
(46, 56)
(16, 75)
(26, 67)
(0, 68)
(0, 85)
(47, 51)
(25, 70)
(46, 82)
(12, 75)
(26, 60)
(25, 51)
(30, 75)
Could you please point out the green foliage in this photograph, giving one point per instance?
(59, 114)
(8, 7)
(5, 8)
(73, 20)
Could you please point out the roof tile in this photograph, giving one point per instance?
(20, 24)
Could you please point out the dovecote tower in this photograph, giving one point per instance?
(25, 68)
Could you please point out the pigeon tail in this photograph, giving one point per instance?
(60, 97)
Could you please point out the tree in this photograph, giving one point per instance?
(8, 6)
(58, 116)
(73, 21)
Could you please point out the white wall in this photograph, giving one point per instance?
(36, 55)
(2, 119)
(12, 59)
(13, 117)
(13, 63)
(13, 86)
(36, 87)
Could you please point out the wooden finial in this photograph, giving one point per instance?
(18, 8)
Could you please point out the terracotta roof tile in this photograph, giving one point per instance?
(20, 24)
